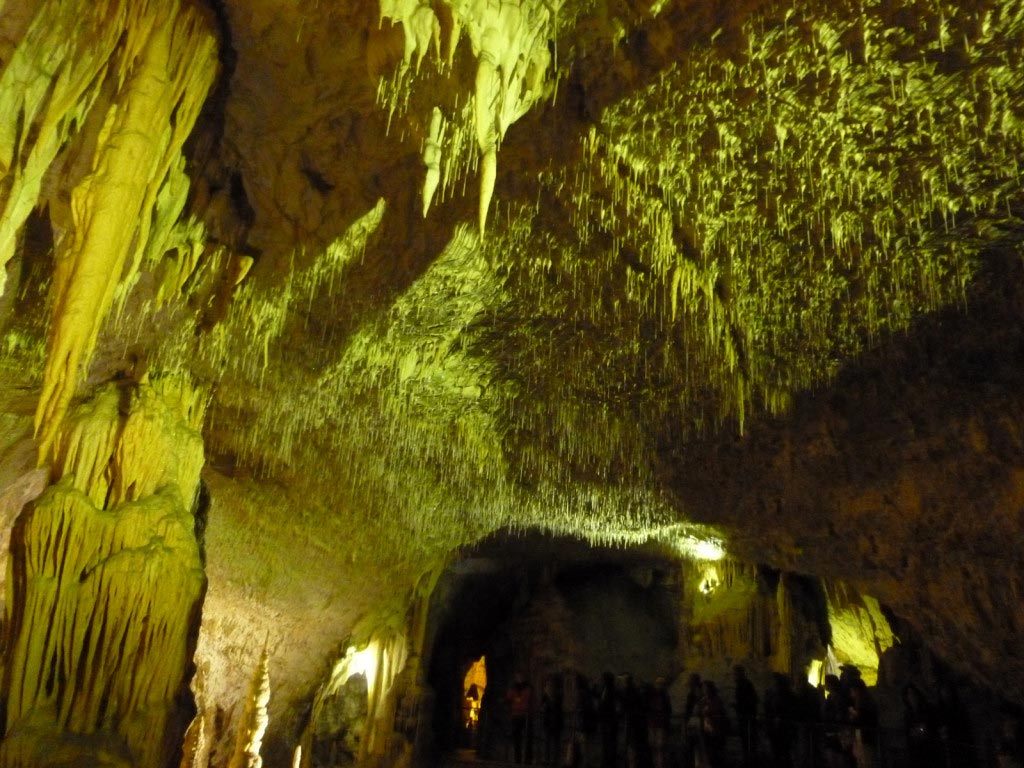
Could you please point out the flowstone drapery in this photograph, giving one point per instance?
(97, 100)
(107, 583)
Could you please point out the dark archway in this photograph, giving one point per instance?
(543, 607)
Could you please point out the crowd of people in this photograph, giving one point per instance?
(609, 723)
(617, 722)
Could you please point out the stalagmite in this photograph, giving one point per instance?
(254, 720)
(195, 748)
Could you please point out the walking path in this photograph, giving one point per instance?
(467, 758)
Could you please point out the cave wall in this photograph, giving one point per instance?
(904, 479)
(340, 230)
(106, 586)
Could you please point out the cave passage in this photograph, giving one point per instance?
(526, 633)
(546, 612)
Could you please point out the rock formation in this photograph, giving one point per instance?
(300, 303)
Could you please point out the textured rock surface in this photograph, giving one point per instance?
(751, 277)
(107, 583)
(904, 478)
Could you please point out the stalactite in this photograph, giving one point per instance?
(432, 159)
(158, 60)
(787, 200)
(510, 43)
(257, 318)
(488, 91)
(50, 83)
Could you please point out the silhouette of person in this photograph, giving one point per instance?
(864, 719)
(634, 714)
(691, 720)
(745, 703)
(834, 712)
(715, 725)
(552, 719)
(780, 717)
(954, 728)
(585, 719)
(519, 698)
(608, 721)
(919, 728)
(659, 720)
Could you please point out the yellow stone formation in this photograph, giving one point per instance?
(254, 719)
(270, 351)
(128, 106)
(860, 631)
(106, 566)
(509, 42)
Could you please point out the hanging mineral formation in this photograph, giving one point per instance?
(128, 80)
(509, 41)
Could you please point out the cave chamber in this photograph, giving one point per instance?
(355, 355)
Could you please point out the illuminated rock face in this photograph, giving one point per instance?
(904, 479)
(716, 294)
(107, 582)
(128, 82)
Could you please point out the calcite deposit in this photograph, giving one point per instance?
(315, 315)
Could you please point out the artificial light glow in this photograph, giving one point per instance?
(477, 675)
(362, 662)
(709, 580)
(814, 672)
(860, 630)
(694, 542)
(473, 687)
(708, 550)
(357, 661)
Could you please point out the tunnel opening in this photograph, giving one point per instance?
(474, 686)
(556, 621)
(551, 613)
(524, 635)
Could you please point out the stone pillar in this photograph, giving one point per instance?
(106, 585)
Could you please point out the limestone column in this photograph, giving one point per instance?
(105, 585)
(107, 582)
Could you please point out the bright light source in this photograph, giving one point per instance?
(473, 687)
(709, 580)
(363, 662)
(708, 550)
(697, 546)
(814, 672)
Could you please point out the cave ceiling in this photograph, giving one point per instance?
(625, 270)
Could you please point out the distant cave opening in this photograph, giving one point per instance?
(560, 616)
(543, 610)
